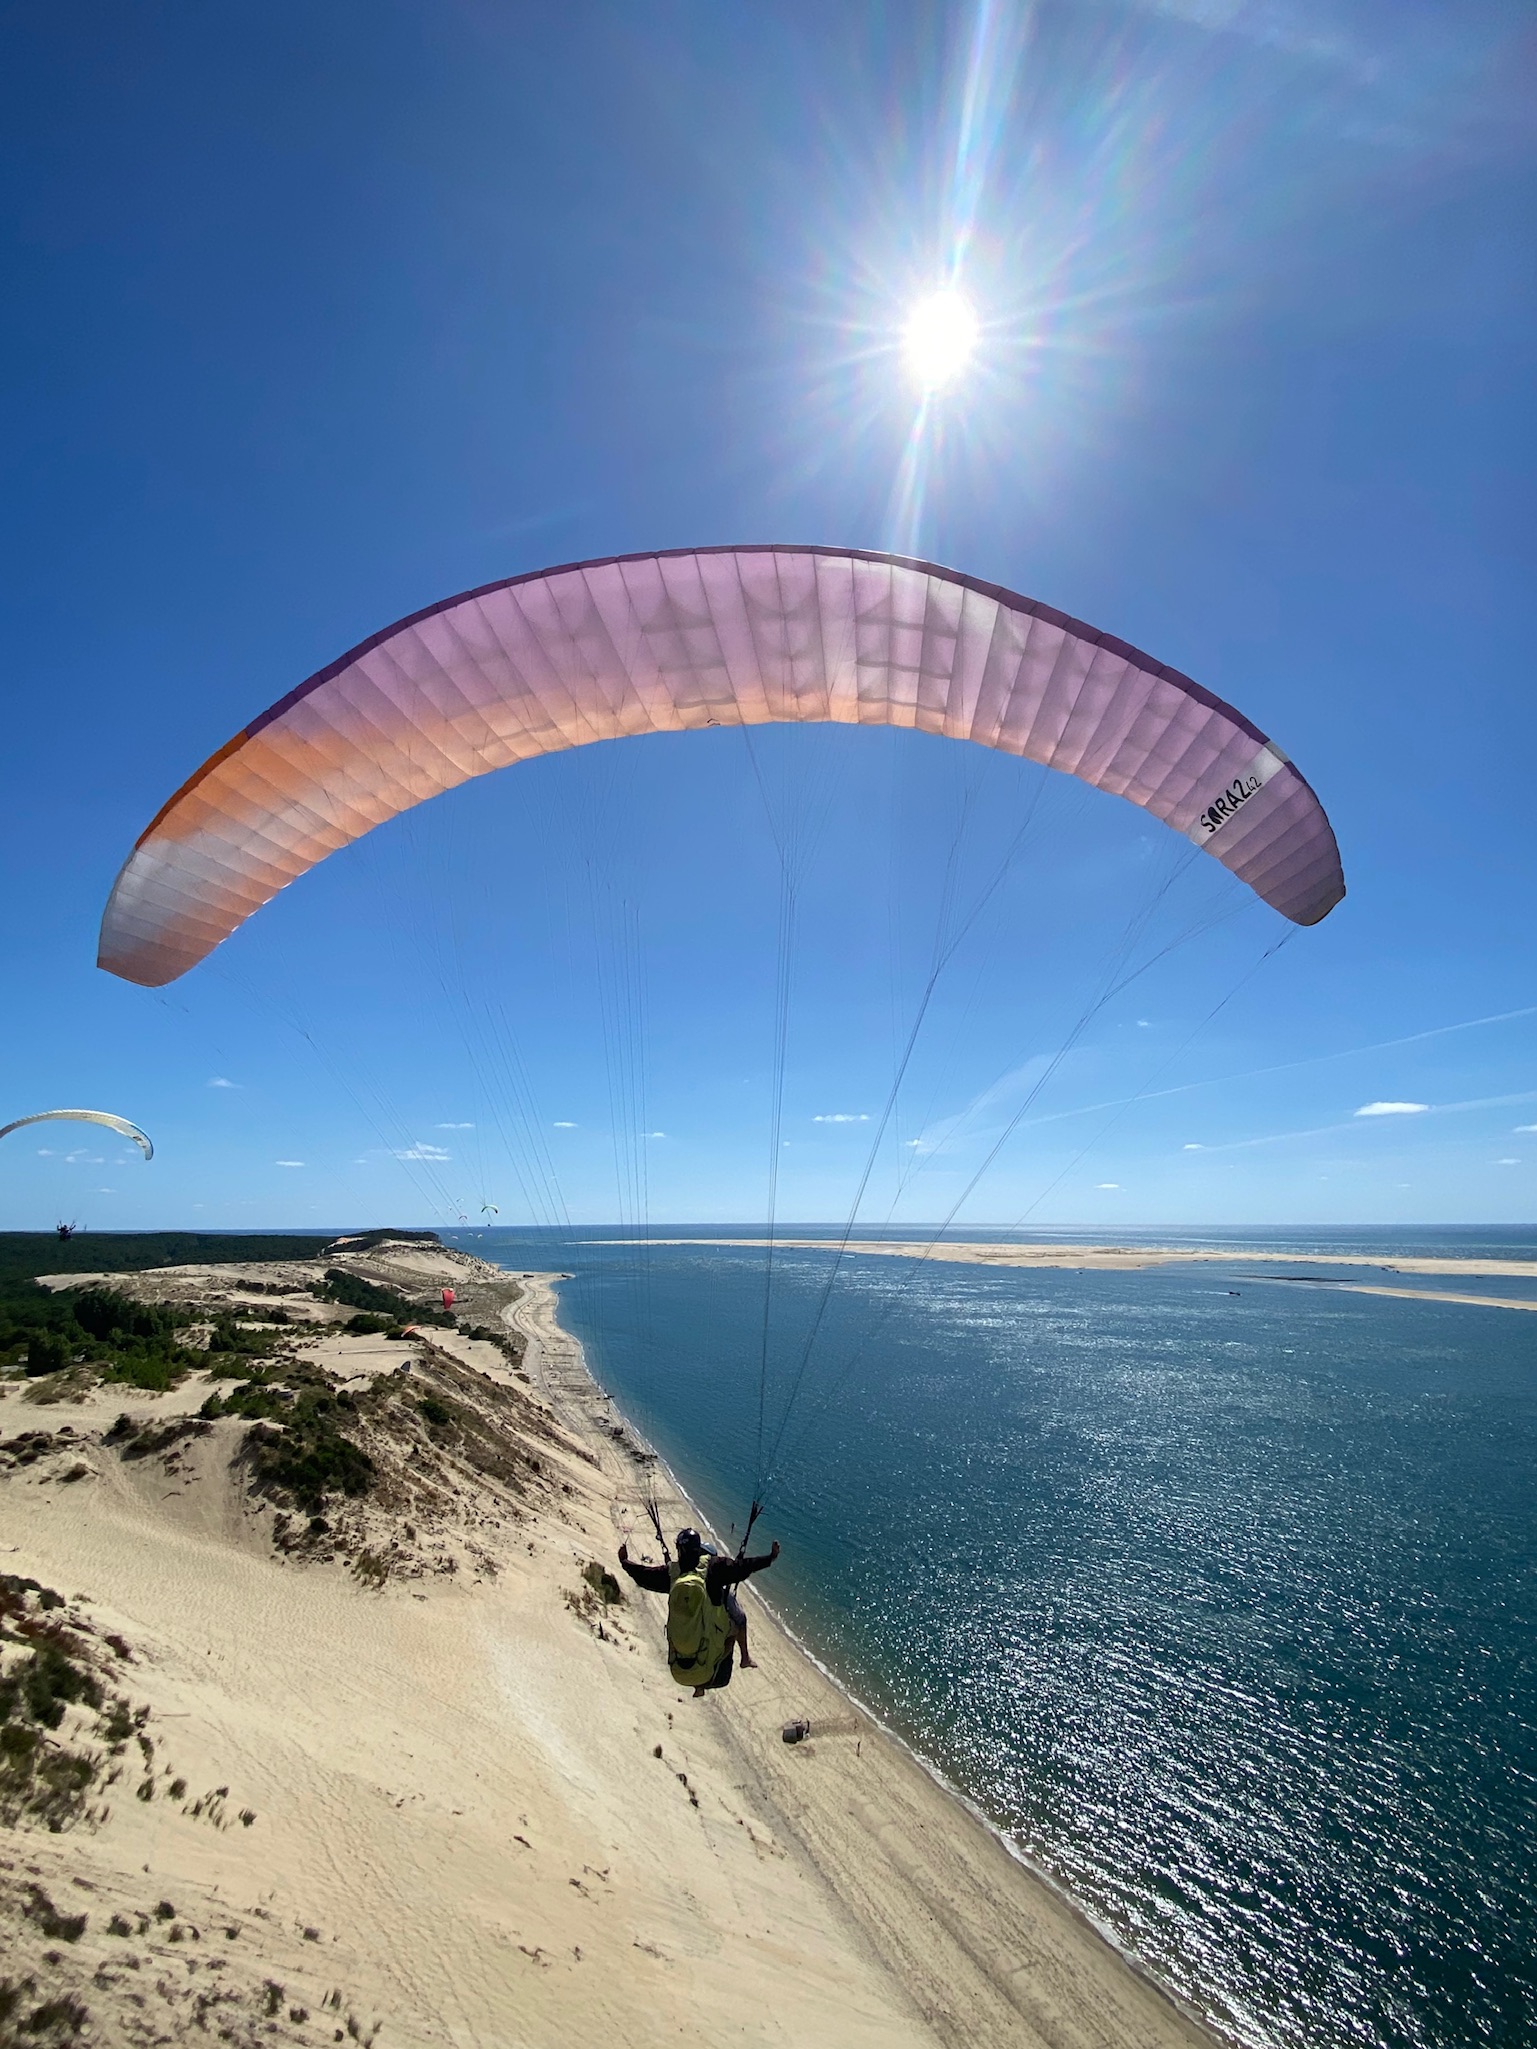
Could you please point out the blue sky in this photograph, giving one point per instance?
(318, 315)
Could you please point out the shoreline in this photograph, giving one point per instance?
(536, 1317)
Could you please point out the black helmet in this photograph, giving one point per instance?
(689, 1544)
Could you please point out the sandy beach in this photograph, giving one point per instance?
(479, 1810)
(1407, 1294)
(1116, 1258)
(1138, 1259)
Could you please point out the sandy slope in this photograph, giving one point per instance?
(483, 1813)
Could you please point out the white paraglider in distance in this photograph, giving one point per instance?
(120, 1125)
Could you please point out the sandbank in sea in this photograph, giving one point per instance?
(1141, 1258)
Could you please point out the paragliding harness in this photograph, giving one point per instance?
(698, 1629)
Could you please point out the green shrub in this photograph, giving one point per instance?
(311, 1464)
(230, 1337)
(340, 1286)
(135, 1438)
(310, 1457)
(133, 1342)
(105, 1327)
(39, 1778)
(603, 1583)
(353, 1293)
(255, 1398)
(113, 1318)
(48, 1682)
(55, 1926)
(146, 1370)
(47, 1352)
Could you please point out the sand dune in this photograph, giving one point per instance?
(483, 1814)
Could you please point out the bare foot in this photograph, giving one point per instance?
(749, 1664)
(699, 1693)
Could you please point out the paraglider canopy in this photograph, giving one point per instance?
(687, 639)
(120, 1125)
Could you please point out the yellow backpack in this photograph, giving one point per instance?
(698, 1629)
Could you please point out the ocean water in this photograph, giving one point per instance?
(1217, 1592)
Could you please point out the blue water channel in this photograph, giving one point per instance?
(1214, 1589)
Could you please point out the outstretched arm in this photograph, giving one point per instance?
(652, 1577)
(734, 1570)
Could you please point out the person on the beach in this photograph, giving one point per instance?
(705, 1620)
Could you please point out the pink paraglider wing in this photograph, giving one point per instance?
(673, 642)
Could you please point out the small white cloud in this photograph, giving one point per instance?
(1107, 1184)
(1524, 1127)
(422, 1151)
(655, 1134)
(564, 1124)
(1507, 1163)
(1391, 1109)
(46, 1152)
(842, 1117)
(220, 1081)
(453, 1127)
(912, 1141)
(288, 1163)
(1144, 1024)
(1193, 1148)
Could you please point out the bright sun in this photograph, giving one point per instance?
(940, 335)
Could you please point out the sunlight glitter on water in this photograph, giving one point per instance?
(1222, 1606)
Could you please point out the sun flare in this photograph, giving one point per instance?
(940, 335)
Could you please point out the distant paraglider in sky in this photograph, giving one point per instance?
(120, 1125)
(690, 639)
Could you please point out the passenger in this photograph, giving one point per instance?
(736, 1615)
